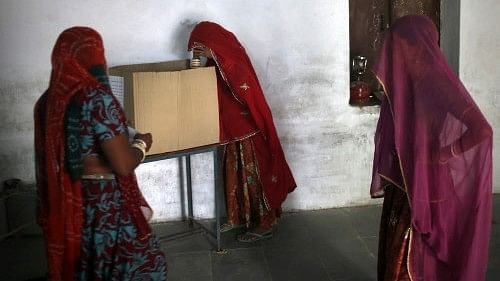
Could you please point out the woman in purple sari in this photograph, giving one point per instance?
(432, 163)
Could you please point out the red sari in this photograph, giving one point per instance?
(244, 111)
(60, 198)
(434, 145)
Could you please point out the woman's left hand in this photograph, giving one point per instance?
(147, 213)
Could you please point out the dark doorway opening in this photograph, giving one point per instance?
(368, 20)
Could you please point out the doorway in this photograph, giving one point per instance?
(369, 19)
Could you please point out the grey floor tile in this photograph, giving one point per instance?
(190, 266)
(366, 220)
(241, 265)
(347, 259)
(290, 231)
(22, 258)
(494, 258)
(169, 228)
(192, 243)
(333, 223)
(493, 273)
(496, 207)
(334, 244)
(356, 279)
(230, 242)
(295, 264)
(371, 244)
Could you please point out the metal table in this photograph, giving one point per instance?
(218, 187)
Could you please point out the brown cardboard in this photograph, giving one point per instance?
(179, 106)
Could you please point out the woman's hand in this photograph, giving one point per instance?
(147, 213)
(123, 158)
(147, 138)
(202, 51)
(445, 154)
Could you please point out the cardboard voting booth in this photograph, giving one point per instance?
(179, 106)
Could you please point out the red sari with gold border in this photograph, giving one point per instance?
(60, 197)
(243, 109)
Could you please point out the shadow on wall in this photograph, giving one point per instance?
(181, 34)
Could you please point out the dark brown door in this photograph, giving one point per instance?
(430, 8)
(368, 19)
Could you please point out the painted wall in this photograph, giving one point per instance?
(479, 68)
(300, 53)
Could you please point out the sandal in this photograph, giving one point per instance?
(227, 227)
(250, 237)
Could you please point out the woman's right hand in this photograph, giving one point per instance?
(202, 51)
(147, 213)
(147, 138)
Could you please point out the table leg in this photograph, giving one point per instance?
(218, 194)
(189, 190)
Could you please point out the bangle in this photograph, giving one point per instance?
(140, 142)
(453, 153)
(141, 148)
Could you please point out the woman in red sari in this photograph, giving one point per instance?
(257, 176)
(432, 163)
(91, 210)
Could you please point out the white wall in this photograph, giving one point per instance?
(300, 52)
(479, 64)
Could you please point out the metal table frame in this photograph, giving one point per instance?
(215, 149)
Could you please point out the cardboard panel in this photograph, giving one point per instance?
(156, 108)
(176, 65)
(179, 106)
(198, 108)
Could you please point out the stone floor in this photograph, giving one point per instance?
(333, 244)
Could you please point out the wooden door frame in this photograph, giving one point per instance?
(450, 32)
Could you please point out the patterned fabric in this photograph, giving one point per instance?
(73, 154)
(77, 50)
(245, 198)
(100, 121)
(111, 249)
(59, 211)
(235, 121)
(112, 245)
(394, 236)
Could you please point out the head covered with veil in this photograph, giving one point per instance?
(433, 142)
(243, 85)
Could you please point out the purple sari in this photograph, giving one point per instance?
(433, 142)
